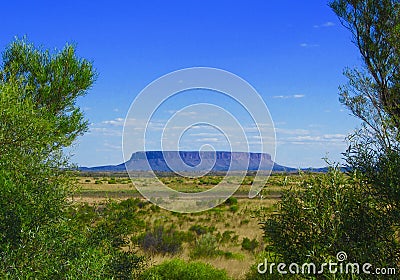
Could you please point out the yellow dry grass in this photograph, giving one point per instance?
(244, 222)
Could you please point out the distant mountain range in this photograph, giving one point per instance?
(186, 161)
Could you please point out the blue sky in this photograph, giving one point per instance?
(292, 52)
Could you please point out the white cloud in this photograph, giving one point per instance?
(208, 140)
(104, 131)
(202, 134)
(335, 136)
(323, 139)
(187, 113)
(115, 122)
(296, 131)
(112, 146)
(307, 45)
(288, 96)
(326, 24)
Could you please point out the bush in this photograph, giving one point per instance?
(331, 213)
(64, 251)
(206, 246)
(112, 181)
(160, 240)
(226, 236)
(199, 229)
(234, 208)
(231, 201)
(249, 245)
(178, 270)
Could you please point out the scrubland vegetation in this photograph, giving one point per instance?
(228, 237)
(55, 225)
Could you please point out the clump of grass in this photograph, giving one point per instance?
(249, 245)
(199, 229)
(112, 181)
(231, 201)
(234, 208)
(161, 240)
(226, 236)
(206, 247)
(178, 269)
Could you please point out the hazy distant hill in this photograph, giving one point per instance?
(193, 161)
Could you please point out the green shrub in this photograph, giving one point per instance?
(231, 201)
(161, 240)
(249, 245)
(64, 251)
(180, 270)
(234, 208)
(199, 229)
(331, 213)
(205, 246)
(226, 236)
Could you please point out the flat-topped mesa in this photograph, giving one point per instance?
(198, 160)
(183, 161)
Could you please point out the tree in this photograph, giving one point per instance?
(358, 213)
(373, 95)
(374, 25)
(39, 118)
(52, 82)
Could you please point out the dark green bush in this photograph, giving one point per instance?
(249, 245)
(199, 229)
(231, 201)
(161, 240)
(180, 270)
(234, 208)
(332, 213)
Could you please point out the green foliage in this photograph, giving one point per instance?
(41, 236)
(374, 26)
(210, 180)
(359, 212)
(114, 222)
(161, 240)
(206, 246)
(226, 236)
(332, 213)
(112, 181)
(249, 245)
(234, 208)
(231, 201)
(177, 270)
(65, 250)
(38, 118)
(52, 83)
(199, 229)
(373, 96)
(253, 273)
